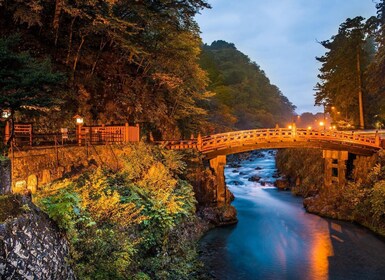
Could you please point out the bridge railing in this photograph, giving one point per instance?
(245, 137)
(255, 136)
(180, 144)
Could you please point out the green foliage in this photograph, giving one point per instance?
(244, 97)
(63, 207)
(378, 201)
(360, 43)
(120, 223)
(25, 83)
(340, 78)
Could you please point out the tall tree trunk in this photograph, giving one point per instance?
(70, 41)
(360, 104)
(78, 53)
(101, 47)
(56, 18)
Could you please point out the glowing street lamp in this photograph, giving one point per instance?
(79, 120)
(5, 114)
(79, 123)
(322, 124)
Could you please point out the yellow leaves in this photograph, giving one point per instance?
(169, 81)
(105, 205)
(109, 208)
(160, 185)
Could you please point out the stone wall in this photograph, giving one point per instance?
(32, 247)
(36, 167)
(5, 175)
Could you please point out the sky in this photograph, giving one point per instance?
(282, 37)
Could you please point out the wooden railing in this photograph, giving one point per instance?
(22, 133)
(102, 134)
(257, 136)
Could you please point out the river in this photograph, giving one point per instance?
(276, 239)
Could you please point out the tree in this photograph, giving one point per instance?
(376, 70)
(342, 69)
(25, 83)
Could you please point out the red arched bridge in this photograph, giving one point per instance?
(336, 146)
(247, 140)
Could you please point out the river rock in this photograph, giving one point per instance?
(228, 215)
(236, 183)
(275, 175)
(282, 184)
(254, 178)
(234, 165)
(260, 155)
(258, 168)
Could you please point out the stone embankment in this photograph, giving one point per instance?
(31, 245)
(36, 167)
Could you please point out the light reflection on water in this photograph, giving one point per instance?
(276, 239)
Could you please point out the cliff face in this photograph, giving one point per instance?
(205, 184)
(31, 245)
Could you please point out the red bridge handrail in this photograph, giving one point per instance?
(210, 143)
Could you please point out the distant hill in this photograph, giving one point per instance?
(244, 97)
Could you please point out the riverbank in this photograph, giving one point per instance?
(361, 201)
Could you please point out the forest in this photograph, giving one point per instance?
(128, 61)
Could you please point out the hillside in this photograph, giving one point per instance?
(244, 97)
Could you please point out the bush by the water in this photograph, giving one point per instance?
(356, 202)
(303, 168)
(362, 201)
(131, 224)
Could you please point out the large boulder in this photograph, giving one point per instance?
(282, 184)
(219, 216)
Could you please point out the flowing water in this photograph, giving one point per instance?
(276, 239)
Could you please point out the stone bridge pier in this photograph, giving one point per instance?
(218, 165)
(335, 167)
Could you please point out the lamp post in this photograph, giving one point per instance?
(322, 124)
(79, 124)
(5, 114)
